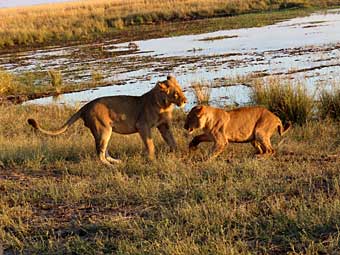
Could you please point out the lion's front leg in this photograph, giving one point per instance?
(145, 134)
(166, 133)
(219, 144)
(197, 140)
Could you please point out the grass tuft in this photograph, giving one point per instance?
(290, 102)
(202, 92)
(56, 80)
(329, 104)
(8, 84)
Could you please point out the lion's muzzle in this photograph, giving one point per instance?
(182, 102)
(190, 129)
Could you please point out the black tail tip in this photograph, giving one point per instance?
(33, 123)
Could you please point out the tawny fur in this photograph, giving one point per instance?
(248, 124)
(128, 115)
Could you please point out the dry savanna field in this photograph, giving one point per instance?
(57, 198)
(93, 20)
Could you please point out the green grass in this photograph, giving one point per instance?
(56, 198)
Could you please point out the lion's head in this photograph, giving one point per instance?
(170, 92)
(195, 119)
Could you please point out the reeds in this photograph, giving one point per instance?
(329, 103)
(202, 92)
(291, 102)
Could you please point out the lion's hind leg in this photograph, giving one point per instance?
(269, 147)
(263, 144)
(258, 147)
(102, 136)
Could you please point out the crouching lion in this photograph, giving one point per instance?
(127, 115)
(247, 124)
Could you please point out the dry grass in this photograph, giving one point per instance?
(31, 85)
(84, 20)
(57, 199)
(7, 83)
(202, 92)
(329, 103)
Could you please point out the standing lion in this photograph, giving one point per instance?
(128, 115)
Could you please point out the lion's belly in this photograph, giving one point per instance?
(241, 135)
(123, 127)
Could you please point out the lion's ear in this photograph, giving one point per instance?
(201, 110)
(163, 86)
(170, 77)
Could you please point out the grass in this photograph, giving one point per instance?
(56, 80)
(30, 85)
(57, 199)
(202, 92)
(288, 99)
(329, 103)
(92, 20)
(291, 102)
(7, 85)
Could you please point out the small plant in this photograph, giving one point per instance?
(290, 102)
(118, 23)
(97, 77)
(202, 92)
(8, 85)
(56, 80)
(329, 104)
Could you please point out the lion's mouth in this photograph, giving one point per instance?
(181, 105)
(190, 130)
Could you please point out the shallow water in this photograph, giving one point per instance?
(304, 49)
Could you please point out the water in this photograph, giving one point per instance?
(303, 49)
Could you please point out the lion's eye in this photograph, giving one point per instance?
(176, 95)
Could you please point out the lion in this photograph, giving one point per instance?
(128, 115)
(246, 124)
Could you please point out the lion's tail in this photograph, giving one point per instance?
(283, 129)
(59, 131)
